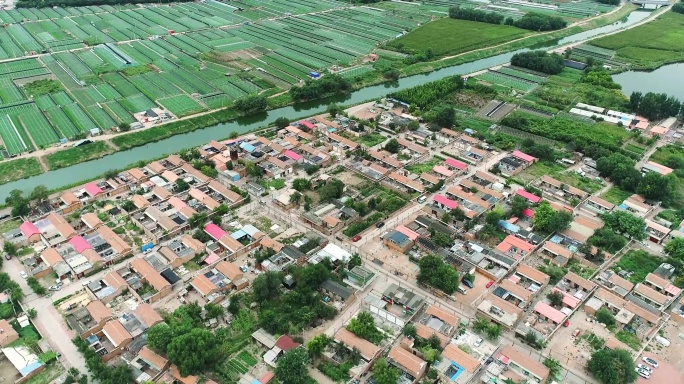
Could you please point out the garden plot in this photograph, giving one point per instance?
(182, 105)
(505, 81)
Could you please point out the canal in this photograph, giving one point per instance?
(91, 169)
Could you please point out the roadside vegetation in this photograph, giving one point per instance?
(18, 169)
(75, 155)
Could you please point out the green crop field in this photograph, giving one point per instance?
(452, 36)
(182, 105)
(664, 41)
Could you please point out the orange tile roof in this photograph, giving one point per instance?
(148, 315)
(147, 272)
(408, 361)
(531, 273)
(152, 358)
(116, 332)
(368, 350)
(229, 270)
(521, 359)
(98, 311)
(443, 314)
(465, 360)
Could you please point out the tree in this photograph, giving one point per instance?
(229, 165)
(413, 125)
(198, 220)
(441, 239)
(605, 316)
(625, 223)
(543, 215)
(612, 366)
(19, 204)
(559, 221)
(409, 330)
(434, 272)
(301, 184)
(383, 373)
(39, 194)
(541, 61)
(159, 337)
(317, 345)
(291, 368)
(354, 261)
(674, 248)
(480, 324)
(266, 286)
(124, 127)
(213, 310)
(182, 185)
(392, 146)
(9, 248)
(554, 367)
(445, 117)
(518, 205)
(493, 217)
(334, 110)
(363, 326)
(332, 190)
(295, 198)
(194, 352)
(391, 74)
(556, 299)
(282, 122)
(251, 104)
(493, 331)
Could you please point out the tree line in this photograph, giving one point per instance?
(531, 21)
(540, 61)
(678, 8)
(325, 86)
(654, 106)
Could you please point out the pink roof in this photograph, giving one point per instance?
(456, 164)
(214, 231)
(528, 212)
(29, 229)
(443, 171)
(673, 290)
(266, 377)
(413, 236)
(92, 189)
(80, 244)
(292, 155)
(641, 125)
(659, 130)
(550, 312)
(523, 156)
(306, 124)
(451, 204)
(569, 300)
(532, 198)
(211, 259)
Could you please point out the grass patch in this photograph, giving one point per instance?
(665, 42)
(451, 36)
(636, 149)
(640, 263)
(274, 183)
(19, 169)
(71, 156)
(669, 154)
(42, 87)
(587, 184)
(671, 215)
(137, 70)
(631, 340)
(594, 341)
(9, 225)
(427, 166)
(616, 195)
(541, 168)
(369, 140)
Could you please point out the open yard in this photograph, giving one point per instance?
(451, 36)
(616, 195)
(664, 42)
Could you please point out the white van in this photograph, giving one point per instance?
(422, 199)
(461, 289)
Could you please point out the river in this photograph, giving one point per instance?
(662, 80)
(91, 169)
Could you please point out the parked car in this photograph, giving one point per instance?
(567, 323)
(8, 256)
(86, 283)
(4, 216)
(478, 342)
(643, 373)
(55, 288)
(490, 284)
(23, 275)
(380, 224)
(650, 361)
(468, 283)
(356, 238)
(645, 368)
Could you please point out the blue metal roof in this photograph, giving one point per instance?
(247, 147)
(398, 237)
(508, 226)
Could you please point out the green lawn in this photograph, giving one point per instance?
(71, 156)
(650, 44)
(370, 140)
(427, 166)
(672, 154)
(451, 36)
(616, 195)
(18, 169)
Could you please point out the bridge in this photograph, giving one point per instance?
(657, 3)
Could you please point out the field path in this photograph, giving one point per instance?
(43, 163)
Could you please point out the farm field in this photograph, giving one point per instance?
(665, 42)
(456, 36)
